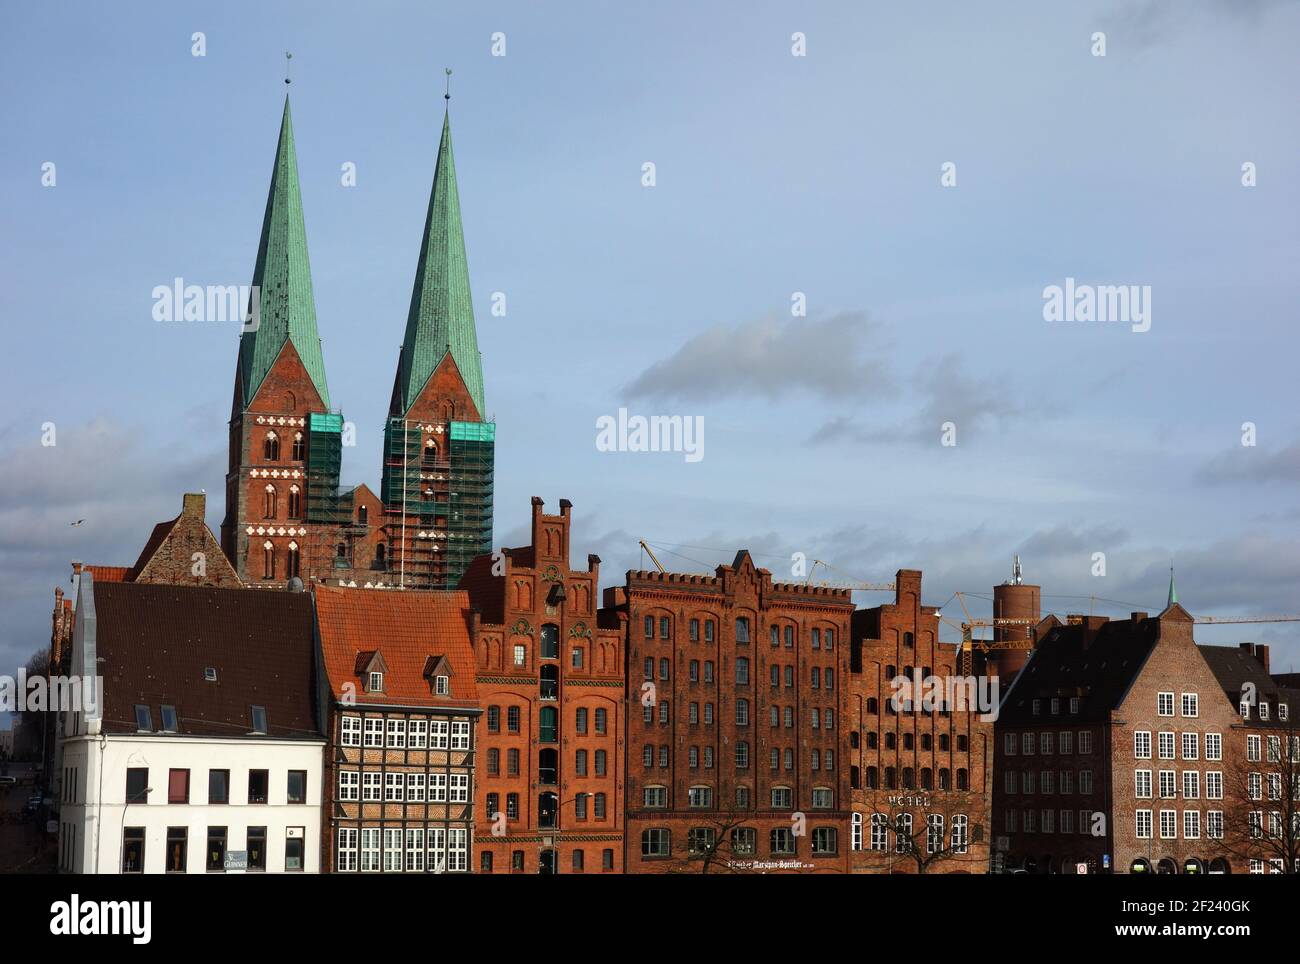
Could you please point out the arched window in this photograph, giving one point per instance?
(294, 565)
(550, 681)
(548, 766)
(269, 507)
(963, 780)
(299, 447)
(271, 447)
(909, 778)
(549, 719)
(295, 502)
(268, 560)
(945, 779)
(430, 452)
(363, 515)
(927, 779)
(550, 641)
(380, 555)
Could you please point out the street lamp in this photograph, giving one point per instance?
(551, 845)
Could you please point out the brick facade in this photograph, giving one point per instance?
(550, 680)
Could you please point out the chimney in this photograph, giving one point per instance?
(565, 506)
(194, 505)
(475, 618)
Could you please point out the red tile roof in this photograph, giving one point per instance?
(405, 628)
(108, 573)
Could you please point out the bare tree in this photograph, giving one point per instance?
(719, 843)
(1261, 814)
(922, 836)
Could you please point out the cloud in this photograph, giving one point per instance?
(1251, 464)
(119, 479)
(1156, 21)
(835, 357)
(940, 390)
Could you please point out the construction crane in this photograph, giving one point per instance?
(1246, 619)
(857, 586)
(653, 558)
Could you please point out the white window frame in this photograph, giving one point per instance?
(1165, 704)
(349, 785)
(350, 731)
(1192, 700)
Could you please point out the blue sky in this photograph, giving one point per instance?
(775, 174)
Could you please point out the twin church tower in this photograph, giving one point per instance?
(286, 514)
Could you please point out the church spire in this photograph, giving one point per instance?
(441, 318)
(282, 278)
(1173, 590)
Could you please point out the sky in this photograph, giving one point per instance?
(786, 170)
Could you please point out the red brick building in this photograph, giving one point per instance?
(737, 690)
(287, 513)
(1112, 748)
(920, 770)
(398, 705)
(551, 682)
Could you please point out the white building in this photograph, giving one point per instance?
(204, 757)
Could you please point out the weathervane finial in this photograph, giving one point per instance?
(287, 57)
(447, 89)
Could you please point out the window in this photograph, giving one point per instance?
(742, 755)
(1191, 784)
(656, 842)
(879, 832)
(1253, 748)
(374, 731)
(349, 782)
(823, 798)
(602, 718)
(742, 630)
(1190, 746)
(1141, 744)
(550, 641)
(258, 783)
(1214, 785)
(742, 671)
(376, 683)
(1168, 824)
(1085, 742)
(299, 448)
(512, 719)
(649, 627)
(350, 731)
(137, 784)
(665, 627)
(133, 850)
(825, 840)
(218, 786)
(216, 857)
(700, 797)
(1165, 704)
(1168, 784)
(781, 841)
(177, 847)
(1214, 746)
(1191, 824)
(1191, 704)
(397, 733)
(347, 850)
(782, 798)
(521, 654)
(1143, 829)
(1142, 783)
(1009, 742)
(143, 718)
(178, 786)
(256, 847)
(934, 833)
(903, 833)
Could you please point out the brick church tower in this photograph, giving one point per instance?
(285, 513)
(438, 446)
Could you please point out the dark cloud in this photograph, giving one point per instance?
(1253, 464)
(1153, 22)
(834, 357)
(120, 480)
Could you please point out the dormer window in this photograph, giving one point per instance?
(376, 684)
(1245, 709)
(169, 719)
(1263, 711)
(258, 715)
(143, 718)
(441, 685)
(1038, 707)
(1283, 711)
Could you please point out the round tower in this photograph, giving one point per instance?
(1014, 599)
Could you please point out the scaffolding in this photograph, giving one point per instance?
(437, 492)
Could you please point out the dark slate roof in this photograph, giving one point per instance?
(154, 643)
(1099, 674)
(1233, 667)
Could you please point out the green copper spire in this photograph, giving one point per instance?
(441, 319)
(1173, 591)
(283, 278)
